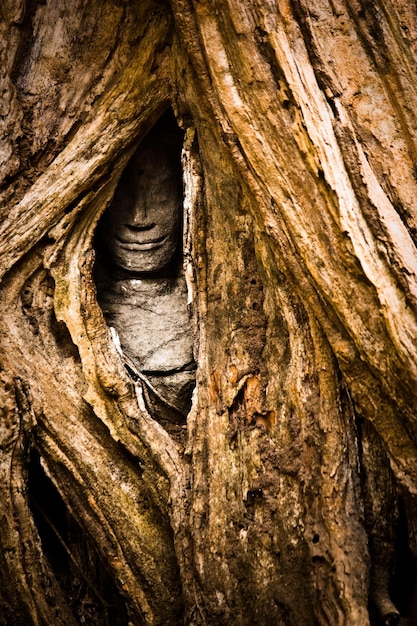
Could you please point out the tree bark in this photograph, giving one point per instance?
(290, 495)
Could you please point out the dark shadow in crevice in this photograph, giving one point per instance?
(404, 582)
(85, 582)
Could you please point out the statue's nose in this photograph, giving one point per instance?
(139, 213)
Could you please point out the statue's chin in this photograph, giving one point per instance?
(139, 262)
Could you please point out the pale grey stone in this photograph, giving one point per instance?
(140, 284)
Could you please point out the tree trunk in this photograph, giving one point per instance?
(289, 497)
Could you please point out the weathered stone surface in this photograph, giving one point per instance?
(140, 282)
(153, 326)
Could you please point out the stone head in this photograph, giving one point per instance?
(141, 229)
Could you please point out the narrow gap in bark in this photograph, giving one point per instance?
(404, 584)
(25, 26)
(86, 584)
(393, 590)
(140, 279)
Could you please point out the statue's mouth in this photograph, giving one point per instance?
(146, 244)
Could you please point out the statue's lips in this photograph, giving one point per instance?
(147, 244)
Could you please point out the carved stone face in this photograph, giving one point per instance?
(142, 226)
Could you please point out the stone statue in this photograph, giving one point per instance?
(140, 283)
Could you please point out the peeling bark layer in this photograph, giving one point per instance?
(289, 497)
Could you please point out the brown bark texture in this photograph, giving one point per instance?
(289, 497)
